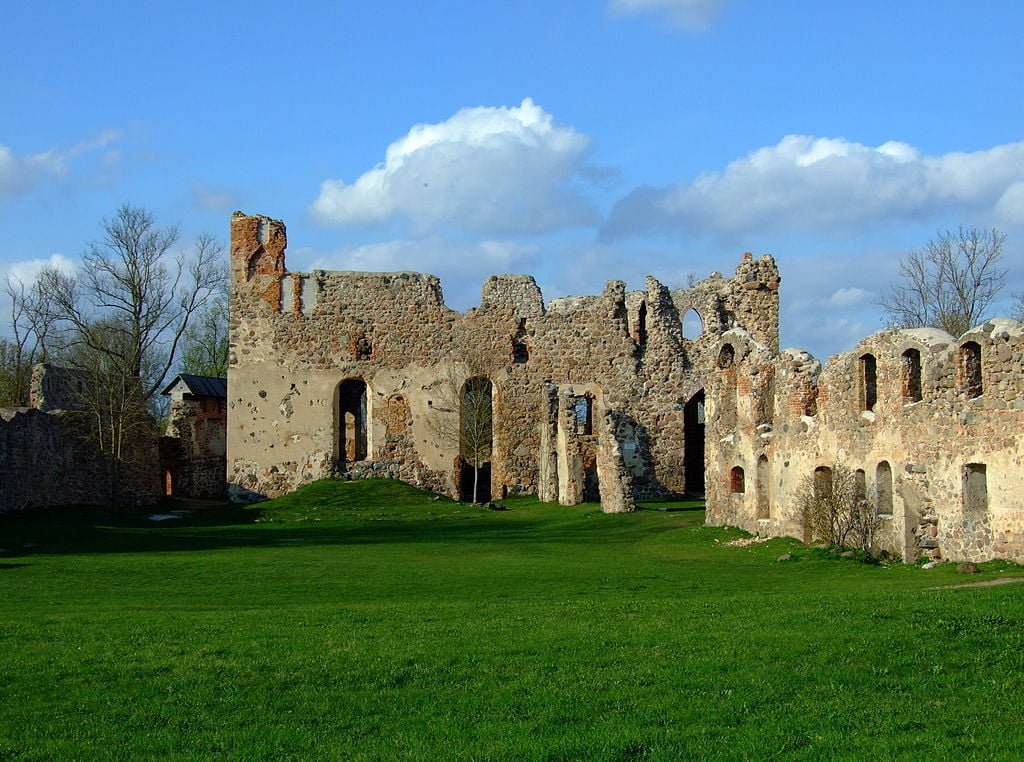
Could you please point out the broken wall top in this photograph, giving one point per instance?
(750, 299)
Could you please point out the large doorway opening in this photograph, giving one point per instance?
(476, 440)
(693, 445)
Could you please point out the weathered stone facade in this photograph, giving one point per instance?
(49, 457)
(602, 397)
(350, 374)
(934, 425)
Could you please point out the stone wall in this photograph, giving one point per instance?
(49, 455)
(936, 425)
(295, 337)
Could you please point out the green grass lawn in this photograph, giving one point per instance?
(368, 621)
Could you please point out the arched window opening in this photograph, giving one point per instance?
(737, 481)
(975, 488)
(763, 488)
(883, 489)
(584, 411)
(476, 439)
(912, 376)
(822, 482)
(970, 369)
(725, 402)
(860, 486)
(252, 264)
(351, 423)
(869, 382)
(693, 324)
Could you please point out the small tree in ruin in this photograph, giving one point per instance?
(476, 435)
(462, 414)
(205, 341)
(110, 405)
(835, 509)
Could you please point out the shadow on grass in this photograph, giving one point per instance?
(233, 527)
(672, 506)
(324, 513)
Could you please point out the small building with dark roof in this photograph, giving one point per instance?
(193, 450)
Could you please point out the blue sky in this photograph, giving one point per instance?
(576, 141)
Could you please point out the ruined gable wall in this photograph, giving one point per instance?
(928, 444)
(295, 336)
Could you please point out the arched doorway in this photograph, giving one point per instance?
(693, 444)
(476, 440)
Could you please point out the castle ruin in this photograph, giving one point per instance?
(604, 398)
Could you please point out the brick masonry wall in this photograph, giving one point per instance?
(193, 453)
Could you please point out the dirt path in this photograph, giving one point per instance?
(985, 583)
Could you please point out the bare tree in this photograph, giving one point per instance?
(134, 296)
(463, 414)
(835, 509)
(119, 322)
(30, 322)
(1018, 306)
(205, 341)
(950, 283)
(476, 435)
(15, 375)
(109, 403)
(17, 352)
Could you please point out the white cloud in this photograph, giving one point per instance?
(26, 270)
(827, 297)
(695, 15)
(461, 266)
(495, 171)
(830, 335)
(809, 184)
(19, 173)
(1010, 207)
(848, 297)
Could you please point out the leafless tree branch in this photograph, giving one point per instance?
(950, 283)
